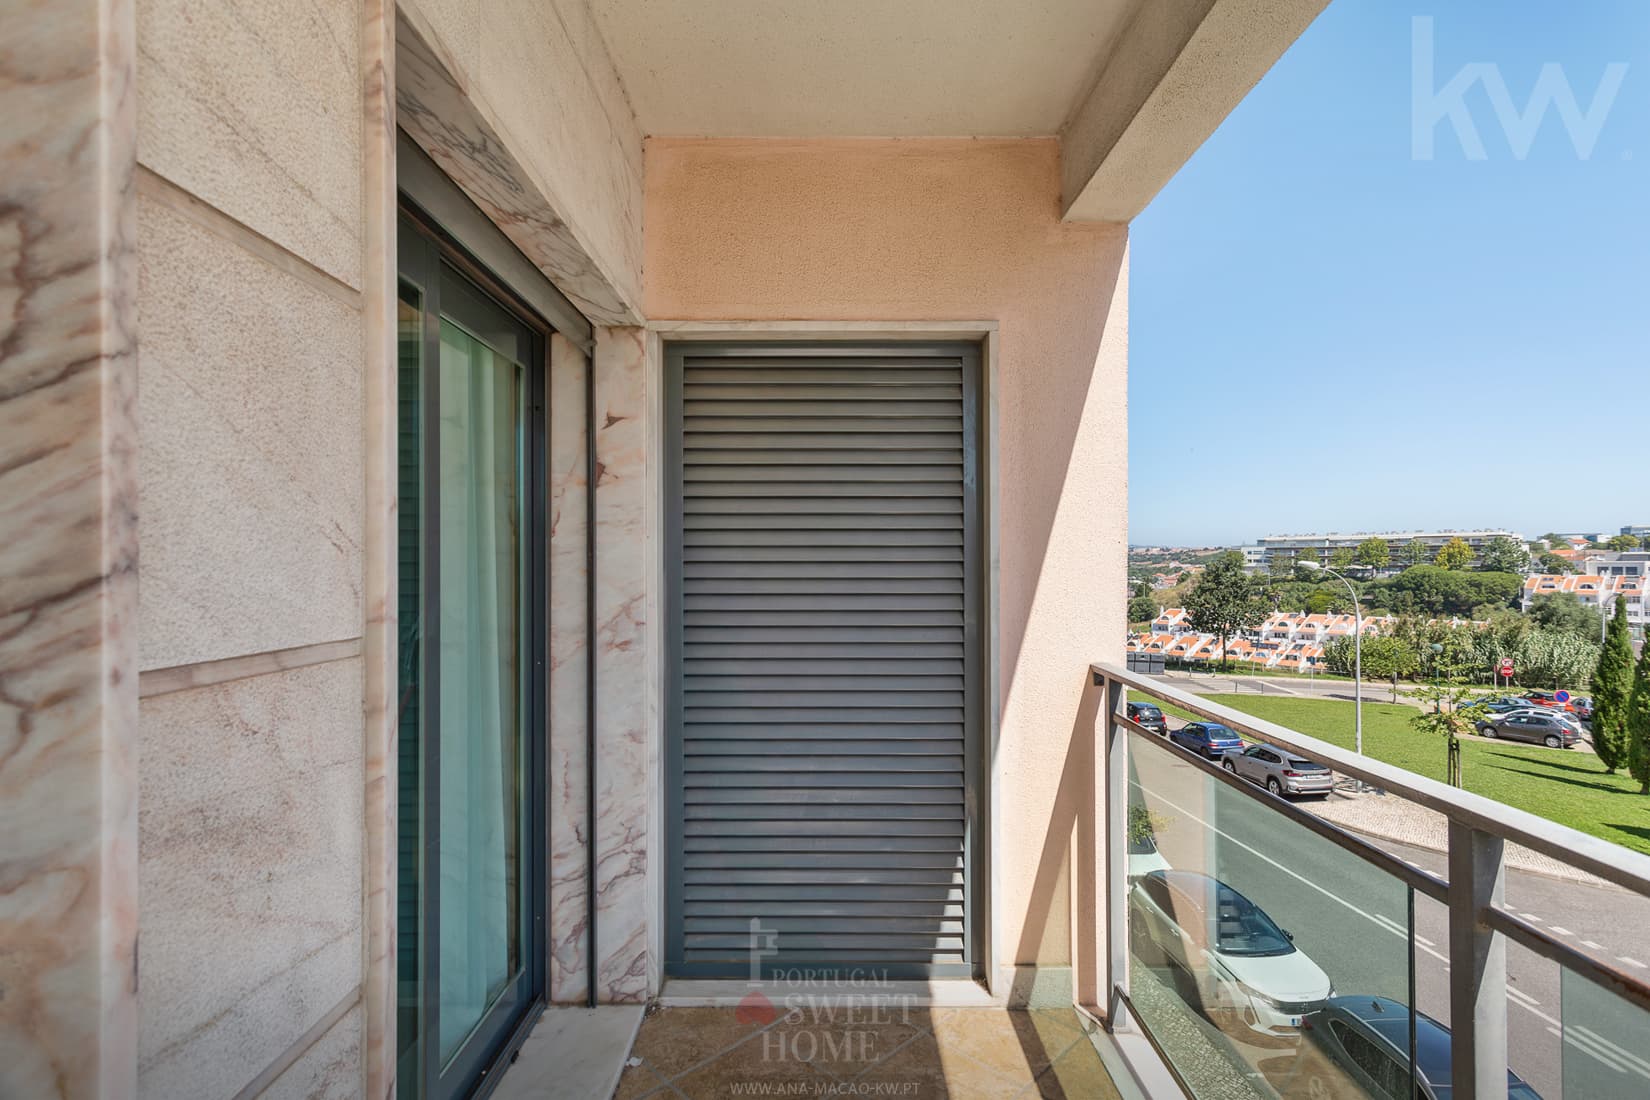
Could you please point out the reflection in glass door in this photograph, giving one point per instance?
(472, 635)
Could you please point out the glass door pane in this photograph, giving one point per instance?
(472, 634)
(481, 557)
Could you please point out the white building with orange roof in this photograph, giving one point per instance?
(1171, 620)
(1626, 575)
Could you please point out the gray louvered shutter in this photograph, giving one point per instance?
(823, 621)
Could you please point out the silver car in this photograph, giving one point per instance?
(1280, 771)
(1568, 721)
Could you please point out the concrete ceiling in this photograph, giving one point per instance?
(858, 68)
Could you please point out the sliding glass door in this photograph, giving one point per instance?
(472, 643)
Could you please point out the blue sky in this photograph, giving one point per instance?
(1327, 333)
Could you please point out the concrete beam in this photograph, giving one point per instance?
(1178, 70)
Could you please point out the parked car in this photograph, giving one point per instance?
(1208, 739)
(1149, 716)
(1360, 1046)
(1280, 771)
(1548, 729)
(1240, 963)
(1582, 709)
(1504, 703)
(1569, 721)
(1547, 699)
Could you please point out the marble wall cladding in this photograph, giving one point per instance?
(569, 667)
(68, 583)
(627, 752)
(256, 108)
(251, 875)
(380, 547)
(328, 1070)
(553, 222)
(250, 409)
(573, 129)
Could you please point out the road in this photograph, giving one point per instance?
(1353, 920)
(1306, 687)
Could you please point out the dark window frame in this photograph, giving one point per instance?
(427, 255)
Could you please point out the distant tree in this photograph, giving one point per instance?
(1141, 587)
(1384, 658)
(1142, 609)
(1622, 542)
(1447, 710)
(1555, 541)
(1612, 688)
(1454, 554)
(1504, 555)
(1436, 591)
(1341, 557)
(1550, 562)
(1281, 565)
(1309, 553)
(1374, 552)
(1414, 552)
(1500, 639)
(1638, 723)
(1224, 601)
(1562, 611)
(1554, 659)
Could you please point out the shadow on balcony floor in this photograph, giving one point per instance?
(867, 1050)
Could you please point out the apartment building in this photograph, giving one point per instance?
(1290, 546)
(1612, 577)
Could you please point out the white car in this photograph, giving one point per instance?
(1243, 965)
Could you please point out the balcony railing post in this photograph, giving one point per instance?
(1478, 965)
(1114, 768)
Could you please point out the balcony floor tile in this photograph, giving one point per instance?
(919, 1052)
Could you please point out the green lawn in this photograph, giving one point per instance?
(1569, 787)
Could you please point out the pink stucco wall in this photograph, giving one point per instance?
(906, 230)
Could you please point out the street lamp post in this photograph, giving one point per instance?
(1357, 654)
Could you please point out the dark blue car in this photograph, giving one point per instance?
(1359, 1046)
(1210, 739)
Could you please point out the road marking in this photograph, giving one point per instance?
(1631, 962)
(1389, 924)
(1594, 946)
(1603, 1050)
(1588, 1035)
(1535, 1012)
(1597, 1055)
(1562, 931)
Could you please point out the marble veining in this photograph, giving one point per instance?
(68, 564)
(569, 663)
(377, 1022)
(453, 128)
(625, 765)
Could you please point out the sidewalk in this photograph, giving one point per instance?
(1389, 817)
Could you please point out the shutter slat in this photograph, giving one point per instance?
(822, 622)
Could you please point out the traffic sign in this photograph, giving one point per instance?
(1506, 666)
(1561, 696)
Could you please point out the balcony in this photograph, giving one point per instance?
(1254, 949)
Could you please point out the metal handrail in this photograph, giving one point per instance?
(1537, 940)
(1571, 846)
(1594, 969)
(1479, 922)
